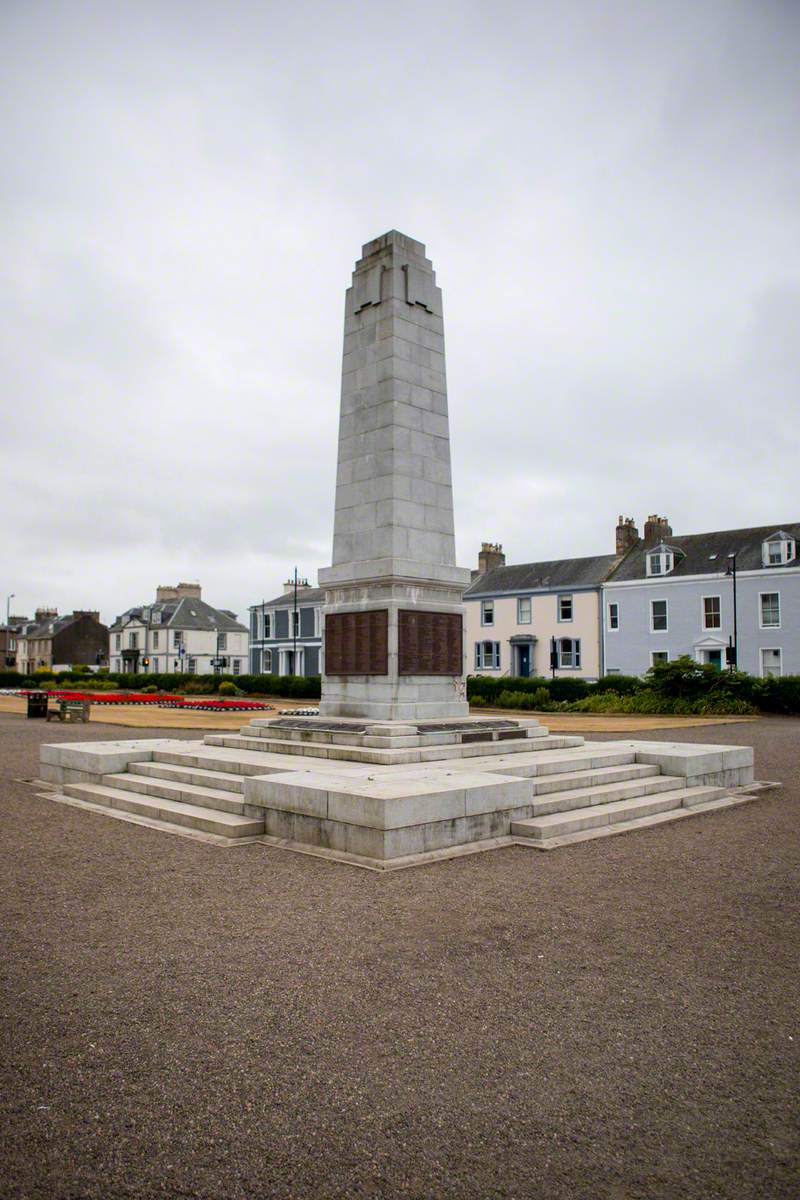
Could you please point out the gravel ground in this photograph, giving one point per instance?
(613, 1020)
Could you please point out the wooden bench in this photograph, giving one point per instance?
(70, 710)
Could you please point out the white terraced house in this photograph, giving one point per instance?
(178, 634)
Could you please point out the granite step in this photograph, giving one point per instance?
(167, 812)
(592, 777)
(599, 816)
(185, 793)
(202, 776)
(605, 793)
(377, 757)
(219, 758)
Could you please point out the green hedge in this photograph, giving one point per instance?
(301, 687)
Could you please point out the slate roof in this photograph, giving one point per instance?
(556, 575)
(697, 548)
(305, 596)
(187, 613)
(50, 627)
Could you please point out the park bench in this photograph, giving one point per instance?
(70, 710)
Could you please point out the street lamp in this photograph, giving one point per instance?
(733, 650)
(8, 607)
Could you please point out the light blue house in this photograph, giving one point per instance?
(286, 632)
(706, 595)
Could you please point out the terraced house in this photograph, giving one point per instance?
(286, 632)
(706, 595)
(520, 616)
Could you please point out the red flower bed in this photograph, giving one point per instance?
(202, 702)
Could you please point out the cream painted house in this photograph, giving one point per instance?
(520, 616)
(179, 633)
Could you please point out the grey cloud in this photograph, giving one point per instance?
(609, 195)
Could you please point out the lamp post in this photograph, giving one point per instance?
(8, 626)
(8, 607)
(295, 623)
(733, 657)
(263, 636)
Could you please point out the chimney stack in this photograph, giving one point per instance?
(491, 556)
(656, 529)
(627, 535)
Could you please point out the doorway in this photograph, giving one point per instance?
(524, 661)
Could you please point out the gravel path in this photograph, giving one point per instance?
(613, 1020)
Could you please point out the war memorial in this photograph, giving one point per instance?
(394, 771)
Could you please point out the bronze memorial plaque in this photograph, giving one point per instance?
(357, 643)
(430, 643)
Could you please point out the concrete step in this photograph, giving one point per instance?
(169, 812)
(597, 816)
(592, 777)
(553, 762)
(183, 793)
(218, 758)
(201, 776)
(605, 793)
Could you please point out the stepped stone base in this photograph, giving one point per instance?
(386, 794)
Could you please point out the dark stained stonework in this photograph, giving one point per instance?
(357, 643)
(430, 643)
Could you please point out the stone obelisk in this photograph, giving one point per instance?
(393, 619)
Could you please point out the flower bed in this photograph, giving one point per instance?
(200, 704)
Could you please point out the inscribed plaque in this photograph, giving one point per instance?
(357, 643)
(430, 643)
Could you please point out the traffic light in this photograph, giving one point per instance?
(730, 656)
(145, 662)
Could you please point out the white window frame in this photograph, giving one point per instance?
(609, 625)
(659, 600)
(787, 549)
(266, 670)
(663, 656)
(703, 625)
(771, 625)
(267, 630)
(521, 620)
(118, 641)
(191, 666)
(575, 654)
(155, 639)
(487, 612)
(665, 560)
(568, 596)
(772, 649)
(133, 641)
(480, 656)
(237, 666)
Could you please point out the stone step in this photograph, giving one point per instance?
(592, 777)
(605, 793)
(219, 758)
(378, 757)
(598, 816)
(185, 793)
(202, 776)
(168, 812)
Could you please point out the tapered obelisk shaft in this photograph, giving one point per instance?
(393, 633)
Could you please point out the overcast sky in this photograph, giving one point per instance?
(610, 193)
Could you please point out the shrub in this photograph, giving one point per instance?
(150, 690)
(478, 702)
(623, 685)
(80, 669)
(226, 688)
(199, 687)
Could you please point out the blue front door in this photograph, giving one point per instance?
(524, 661)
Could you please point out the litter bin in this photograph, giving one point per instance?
(37, 705)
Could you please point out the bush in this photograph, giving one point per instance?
(150, 690)
(200, 687)
(623, 685)
(226, 688)
(477, 702)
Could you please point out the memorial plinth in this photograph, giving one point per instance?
(393, 640)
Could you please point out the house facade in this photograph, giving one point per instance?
(9, 635)
(286, 632)
(674, 595)
(56, 643)
(179, 633)
(518, 616)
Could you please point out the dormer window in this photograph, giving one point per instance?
(660, 561)
(778, 550)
